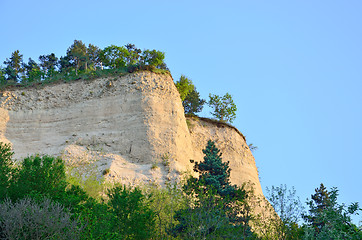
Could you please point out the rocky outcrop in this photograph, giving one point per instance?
(130, 128)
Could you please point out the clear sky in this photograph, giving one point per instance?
(294, 69)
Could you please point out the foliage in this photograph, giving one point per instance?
(114, 56)
(224, 107)
(77, 55)
(213, 172)
(2, 76)
(193, 103)
(327, 219)
(190, 97)
(80, 62)
(6, 169)
(48, 64)
(93, 56)
(89, 183)
(208, 219)
(133, 57)
(39, 175)
(153, 58)
(165, 201)
(289, 209)
(215, 207)
(14, 67)
(136, 220)
(27, 219)
(184, 86)
(33, 73)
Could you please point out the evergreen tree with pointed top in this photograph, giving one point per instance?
(215, 173)
(215, 208)
(319, 203)
(14, 67)
(327, 219)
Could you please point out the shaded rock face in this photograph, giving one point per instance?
(131, 128)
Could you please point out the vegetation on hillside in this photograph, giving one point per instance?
(224, 108)
(79, 62)
(37, 202)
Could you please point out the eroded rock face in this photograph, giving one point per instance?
(130, 128)
(233, 147)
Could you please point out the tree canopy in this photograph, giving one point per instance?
(190, 97)
(224, 107)
(79, 59)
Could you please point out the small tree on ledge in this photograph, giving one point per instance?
(224, 107)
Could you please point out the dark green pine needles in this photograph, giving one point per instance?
(214, 172)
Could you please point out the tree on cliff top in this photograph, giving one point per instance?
(190, 97)
(77, 55)
(14, 67)
(224, 107)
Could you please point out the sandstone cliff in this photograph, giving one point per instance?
(131, 128)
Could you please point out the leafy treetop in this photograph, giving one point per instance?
(224, 107)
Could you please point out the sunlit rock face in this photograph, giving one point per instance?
(130, 128)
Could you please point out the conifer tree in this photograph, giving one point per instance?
(14, 66)
(328, 219)
(193, 103)
(215, 206)
(215, 173)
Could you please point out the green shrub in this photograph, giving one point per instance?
(39, 175)
(136, 220)
(6, 169)
(164, 201)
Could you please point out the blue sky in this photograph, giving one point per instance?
(294, 69)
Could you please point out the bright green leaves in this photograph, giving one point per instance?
(190, 98)
(114, 56)
(184, 86)
(135, 218)
(224, 107)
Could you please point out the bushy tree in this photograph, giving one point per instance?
(193, 103)
(48, 63)
(33, 72)
(93, 56)
(184, 85)
(327, 219)
(39, 175)
(114, 56)
(153, 58)
(65, 65)
(190, 97)
(136, 220)
(224, 107)
(6, 169)
(134, 55)
(77, 55)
